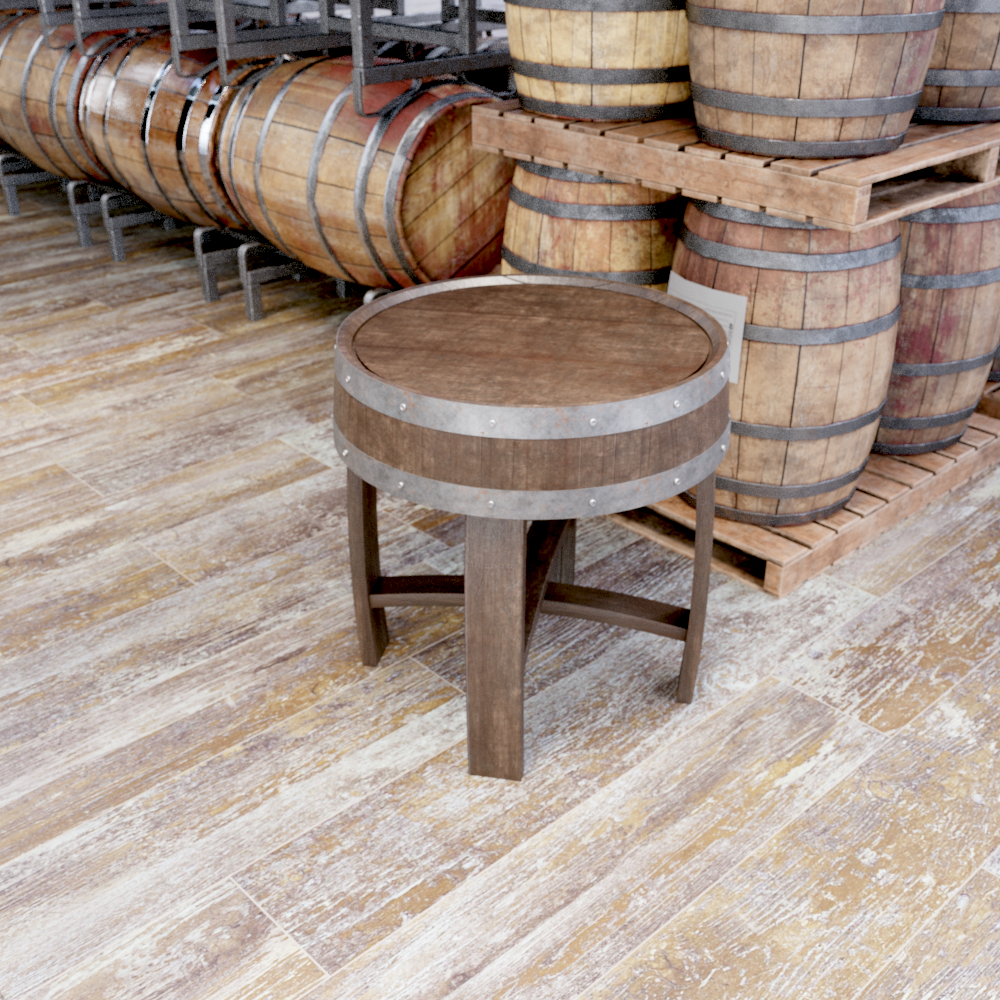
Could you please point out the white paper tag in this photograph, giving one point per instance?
(728, 309)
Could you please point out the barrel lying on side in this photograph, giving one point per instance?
(949, 324)
(602, 60)
(818, 346)
(571, 223)
(800, 83)
(396, 199)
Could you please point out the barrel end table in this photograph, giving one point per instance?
(526, 403)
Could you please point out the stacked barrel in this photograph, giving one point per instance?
(390, 200)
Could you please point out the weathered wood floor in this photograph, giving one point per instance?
(204, 796)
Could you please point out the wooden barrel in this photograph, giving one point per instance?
(963, 80)
(602, 60)
(566, 222)
(145, 124)
(800, 83)
(994, 375)
(817, 351)
(949, 324)
(40, 85)
(531, 397)
(396, 199)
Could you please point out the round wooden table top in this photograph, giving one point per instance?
(532, 342)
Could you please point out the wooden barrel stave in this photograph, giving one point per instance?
(944, 325)
(292, 153)
(619, 247)
(783, 385)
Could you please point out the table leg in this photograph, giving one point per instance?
(495, 567)
(704, 523)
(362, 533)
(564, 563)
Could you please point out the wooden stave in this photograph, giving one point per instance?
(930, 316)
(7, 28)
(364, 251)
(633, 246)
(877, 295)
(595, 102)
(787, 136)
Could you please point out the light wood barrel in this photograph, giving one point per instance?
(531, 397)
(145, 124)
(949, 324)
(822, 312)
(9, 21)
(796, 82)
(564, 222)
(963, 81)
(40, 85)
(601, 60)
(387, 201)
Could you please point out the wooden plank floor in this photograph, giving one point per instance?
(204, 796)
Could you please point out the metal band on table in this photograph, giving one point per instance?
(770, 432)
(796, 107)
(602, 6)
(927, 369)
(530, 504)
(798, 262)
(790, 492)
(595, 112)
(654, 277)
(940, 216)
(807, 24)
(593, 213)
(793, 147)
(823, 335)
(923, 423)
(971, 280)
(744, 215)
(558, 174)
(600, 77)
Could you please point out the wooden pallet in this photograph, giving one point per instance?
(936, 164)
(990, 403)
(781, 559)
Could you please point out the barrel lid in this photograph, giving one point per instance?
(531, 357)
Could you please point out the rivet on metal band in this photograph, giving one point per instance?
(964, 115)
(656, 277)
(733, 214)
(807, 24)
(942, 367)
(593, 213)
(940, 216)
(602, 6)
(800, 262)
(558, 174)
(595, 112)
(922, 423)
(769, 432)
(790, 492)
(971, 280)
(962, 78)
(825, 335)
(600, 77)
(795, 148)
(796, 107)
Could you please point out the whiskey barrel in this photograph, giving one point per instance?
(570, 223)
(531, 397)
(963, 80)
(949, 324)
(395, 199)
(40, 83)
(797, 84)
(602, 60)
(817, 351)
(145, 124)
(9, 22)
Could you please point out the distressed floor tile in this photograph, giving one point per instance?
(812, 913)
(315, 440)
(218, 946)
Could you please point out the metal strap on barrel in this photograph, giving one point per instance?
(105, 114)
(147, 112)
(807, 24)
(657, 277)
(733, 214)
(593, 213)
(75, 110)
(972, 7)
(942, 367)
(25, 75)
(769, 432)
(602, 6)
(793, 147)
(558, 174)
(821, 335)
(182, 135)
(400, 160)
(923, 423)
(54, 98)
(312, 177)
(800, 262)
(972, 213)
(971, 280)
(787, 492)
(594, 112)
(772, 520)
(966, 115)
(962, 78)
(796, 107)
(600, 77)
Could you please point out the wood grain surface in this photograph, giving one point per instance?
(207, 796)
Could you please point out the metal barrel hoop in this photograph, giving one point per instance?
(594, 112)
(924, 423)
(789, 491)
(593, 213)
(114, 170)
(771, 432)
(796, 107)
(559, 174)
(772, 520)
(744, 215)
(26, 121)
(603, 6)
(824, 335)
(53, 102)
(971, 279)
(652, 277)
(943, 216)
(936, 368)
(814, 24)
(600, 77)
(74, 103)
(147, 113)
(794, 147)
(919, 448)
